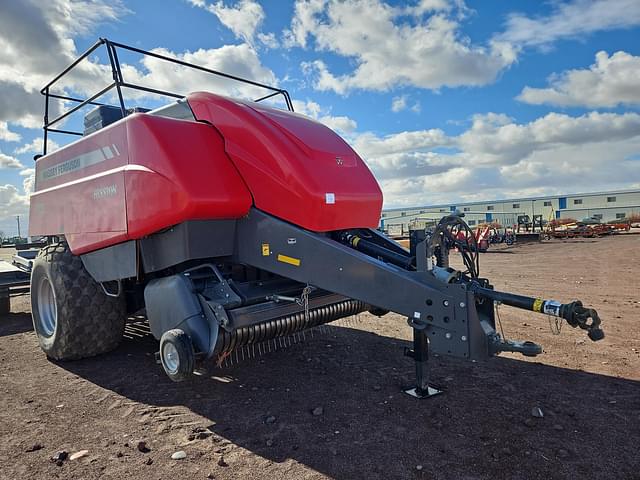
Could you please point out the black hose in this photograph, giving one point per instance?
(379, 252)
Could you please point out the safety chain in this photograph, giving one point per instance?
(497, 310)
(303, 301)
(555, 324)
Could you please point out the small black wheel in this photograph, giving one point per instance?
(177, 355)
(378, 312)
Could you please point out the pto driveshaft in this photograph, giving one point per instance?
(574, 313)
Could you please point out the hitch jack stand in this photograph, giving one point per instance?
(420, 354)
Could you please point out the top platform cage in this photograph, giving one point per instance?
(119, 83)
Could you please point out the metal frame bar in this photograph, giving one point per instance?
(73, 99)
(441, 309)
(117, 76)
(82, 104)
(119, 83)
(151, 90)
(66, 132)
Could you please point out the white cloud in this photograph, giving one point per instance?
(7, 135)
(239, 60)
(36, 43)
(29, 179)
(12, 202)
(401, 103)
(398, 103)
(269, 40)
(21, 106)
(35, 146)
(411, 141)
(496, 140)
(426, 6)
(497, 157)
(572, 19)
(451, 180)
(405, 156)
(390, 50)
(611, 81)
(243, 19)
(7, 161)
(341, 124)
(303, 21)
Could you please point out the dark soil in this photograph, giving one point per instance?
(256, 419)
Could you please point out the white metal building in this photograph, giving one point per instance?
(607, 206)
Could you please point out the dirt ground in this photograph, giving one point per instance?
(261, 410)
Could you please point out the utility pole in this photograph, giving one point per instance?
(18, 220)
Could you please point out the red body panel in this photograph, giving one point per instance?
(161, 172)
(297, 169)
(146, 172)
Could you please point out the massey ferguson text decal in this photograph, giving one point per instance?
(76, 163)
(61, 168)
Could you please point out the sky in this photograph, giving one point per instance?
(446, 100)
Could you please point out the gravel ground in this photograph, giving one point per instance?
(330, 406)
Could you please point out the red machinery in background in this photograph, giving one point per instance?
(485, 235)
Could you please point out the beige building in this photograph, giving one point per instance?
(606, 206)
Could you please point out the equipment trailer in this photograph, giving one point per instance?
(234, 223)
(13, 281)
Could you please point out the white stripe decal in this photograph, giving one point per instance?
(124, 168)
(76, 163)
(106, 151)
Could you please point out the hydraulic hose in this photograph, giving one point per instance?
(374, 250)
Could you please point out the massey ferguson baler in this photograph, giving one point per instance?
(232, 223)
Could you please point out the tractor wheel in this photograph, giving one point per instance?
(177, 355)
(72, 316)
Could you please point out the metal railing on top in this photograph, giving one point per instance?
(119, 82)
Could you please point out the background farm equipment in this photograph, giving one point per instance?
(483, 236)
(493, 234)
(587, 228)
(14, 276)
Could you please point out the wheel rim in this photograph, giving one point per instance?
(170, 357)
(47, 309)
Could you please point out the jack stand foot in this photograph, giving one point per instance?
(420, 355)
(420, 393)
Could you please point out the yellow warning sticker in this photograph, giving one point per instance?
(537, 305)
(290, 260)
(265, 249)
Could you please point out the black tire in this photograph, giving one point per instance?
(86, 321)
(177, 355)
(5, 305)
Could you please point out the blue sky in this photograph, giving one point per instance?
(445, 100)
